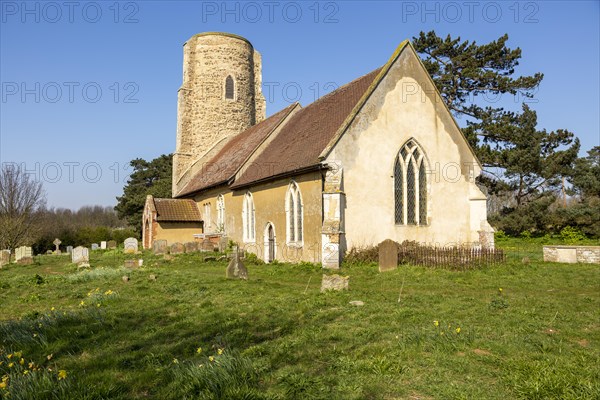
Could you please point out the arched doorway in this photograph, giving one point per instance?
(270, 243)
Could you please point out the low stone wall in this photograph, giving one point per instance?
(572, 254)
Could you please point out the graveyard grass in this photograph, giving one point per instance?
(509, 331)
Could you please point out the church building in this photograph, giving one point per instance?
(379, 158)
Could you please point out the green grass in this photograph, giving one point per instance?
(280, 338)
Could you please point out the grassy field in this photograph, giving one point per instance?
(516, 330)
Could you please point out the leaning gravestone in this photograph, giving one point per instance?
(236, 268)
(334, 282)
(24, 255)
(131, 245)
(80, 256)
(159, 246)
(111, 244)
(94, 246)
(388, 255)
(4, 257)
(191, 247)
(207, 245)
(103, 245)
(177, 248)
(69, 249)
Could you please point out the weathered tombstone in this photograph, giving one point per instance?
(125, 278)
(103, 245)
(94, 246)
(388, 255)
(223, 242)
(4, 257)
(24, 255)
(159, 246)
(49, 252)
(69, 249)
(131, 245)
(111, 244)
(236, 268)
(334, 282)
(207, 245)
(177, 248)
(57, 243)
(140, 262)
(81, 256)
(131, 264)
(191, 247)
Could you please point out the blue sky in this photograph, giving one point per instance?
(88, 86)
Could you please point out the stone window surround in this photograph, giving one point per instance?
(249, 220)
(423, 159)
(294, 189)
(235, 92)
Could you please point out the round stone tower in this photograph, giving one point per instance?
(220, 97)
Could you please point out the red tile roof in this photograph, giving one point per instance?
(307, 133)
(177, 210)
(223, 166)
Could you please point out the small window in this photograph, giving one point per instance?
(220, 213)
(229, 88)
(207, 218)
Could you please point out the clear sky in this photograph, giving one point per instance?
(88, 86)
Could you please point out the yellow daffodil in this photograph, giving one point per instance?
(31, 365)
(10, 365)
(458, 330)
(62, 374)
(211, 359)
(97, 304)
(82, 303)
(220, 351)
(5, 378)
(175, 361)
(436, 323)
(9, 356)
(52, 309)
(49, 356)
(199, 350)
(18, 354)
(108, 292)
(22, 361)
(3, 385)
(25, 372)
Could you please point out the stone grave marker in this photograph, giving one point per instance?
(81, 256)
(334, 282)
(131, 264)
(57, 243)
(223, 242)
(388, 255)
(103, 245)
(191, 247)
(4, 257)
(207, 245)
(24, 255)
(95, 246)
(131, 245)
(69, 249)
(111, 244)
(177, 248)
(159, 246)
(236, 268)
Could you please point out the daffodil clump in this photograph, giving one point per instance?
(95, 297)
(15, 367)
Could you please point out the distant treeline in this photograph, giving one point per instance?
(89, 224)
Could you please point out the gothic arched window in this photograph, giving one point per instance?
(294, 214)
(220, 213)
(410, 185)
(248, 220)
(229, 88)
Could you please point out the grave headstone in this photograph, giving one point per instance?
(94, 246)
(125, 278)
(57, 243)
(49, 252)
(223, 242)
(103, 245)
(80, 256)
(159, 246)
(24, 255)
(236, 268)
(4, 257)
(131, 264)
(111, 244)
(191, 247)
(177, 248)
(207, 245)
(388, 255)
(334, 282)
(69, 249)
(131, 245)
